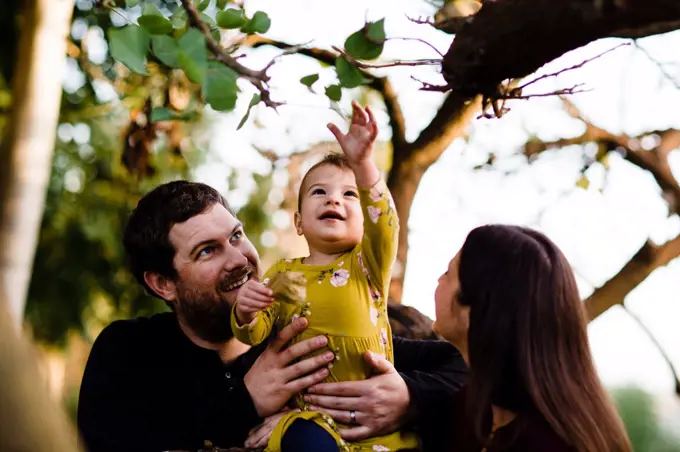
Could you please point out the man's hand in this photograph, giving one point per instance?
(252, 297)
(273, 380)
(259, 436)
(381, 403)
(357, 144)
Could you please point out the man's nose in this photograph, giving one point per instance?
(235, 259)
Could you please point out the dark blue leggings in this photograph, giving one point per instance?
(307, 436)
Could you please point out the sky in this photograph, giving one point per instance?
(598, 229)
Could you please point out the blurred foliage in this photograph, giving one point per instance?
(108, 154)
(642, 422)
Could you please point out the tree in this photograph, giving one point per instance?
(26, 150)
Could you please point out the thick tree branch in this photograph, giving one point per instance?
(648, 258)
(664, 355)
(513, 38)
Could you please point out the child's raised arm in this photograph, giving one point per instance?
(357, 145)
(381, 225)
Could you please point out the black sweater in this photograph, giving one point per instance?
(147, 387)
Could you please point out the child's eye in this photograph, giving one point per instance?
(318, 191)
(352, 194)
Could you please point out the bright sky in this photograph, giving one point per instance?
(598, 231)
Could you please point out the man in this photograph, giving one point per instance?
(178, 379)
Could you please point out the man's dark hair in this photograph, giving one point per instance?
(333, 159)
(146, 237)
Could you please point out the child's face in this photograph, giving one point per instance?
(330, 216)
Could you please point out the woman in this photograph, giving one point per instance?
(510, 304)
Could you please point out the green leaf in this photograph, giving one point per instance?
(151, 10)
(375, 31)
(359, 46)
(349, 75)
(309, 80)
(215, 33)
(179, 19)
(231, 18)
(220, 90)
(166, 49)
(129, 45)
(256, 98)
(131, 3)
(260, 23)
(334, 92)
(207, 19)
(203, 5)
(153, 21)
(221, 4)
(166, 114)
(192, 56)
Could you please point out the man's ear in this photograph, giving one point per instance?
(298, 222)
(162, 285)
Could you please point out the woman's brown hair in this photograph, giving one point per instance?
(527, 341)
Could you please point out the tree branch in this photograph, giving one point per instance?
(648, 258)
(655, 160)
(513, 38)
(258, 79)
(380, 84)
(664, 355)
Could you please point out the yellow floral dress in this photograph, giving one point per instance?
(346, 302)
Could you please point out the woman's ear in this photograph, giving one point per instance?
(163, 286)
(298, 222)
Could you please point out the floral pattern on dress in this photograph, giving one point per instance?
(374, 213)
(380, 448)
(383, 337)
(373, 313)
(340, 278)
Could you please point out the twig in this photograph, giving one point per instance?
(431, 87)
(258, 79)
(289, 51)
(419, 21)
(419, 40)
(560, 92)
(658, 64)
(570, 68)
(651, 337)
(359, 64)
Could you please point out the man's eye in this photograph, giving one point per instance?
(318, 191)
(237, 236)
(206, 251)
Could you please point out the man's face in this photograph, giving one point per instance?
(213, 259)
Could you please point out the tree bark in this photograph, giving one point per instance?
(26, 151)
(31, 420)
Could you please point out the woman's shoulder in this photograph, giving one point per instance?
(536, 435)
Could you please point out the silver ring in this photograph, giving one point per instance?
(353, 416)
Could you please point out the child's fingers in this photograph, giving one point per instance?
(336, 132)
(261, 289)
(256, 297)
(359, 115)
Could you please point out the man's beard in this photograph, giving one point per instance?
(208, 313)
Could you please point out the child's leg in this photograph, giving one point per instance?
(307, 436)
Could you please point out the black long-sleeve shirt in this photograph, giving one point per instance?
(147, 387)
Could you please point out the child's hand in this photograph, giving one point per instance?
(252, 297)
(357, 144)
